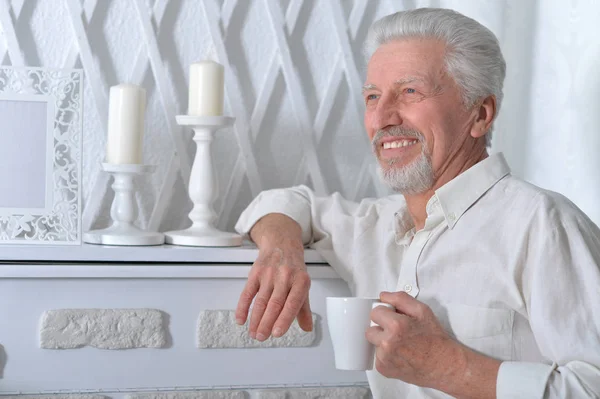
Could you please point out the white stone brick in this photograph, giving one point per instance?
(190, 395)
(317, 393)
(218, 329)
(103, 328)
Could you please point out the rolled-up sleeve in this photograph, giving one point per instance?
(330, 224)
(294, 203)
(522, 380)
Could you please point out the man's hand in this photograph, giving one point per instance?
(278, 281)
(411, 345)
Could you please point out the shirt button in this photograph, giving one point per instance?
(452, 217)
(407, 288)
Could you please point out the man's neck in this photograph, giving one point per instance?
(417, 204)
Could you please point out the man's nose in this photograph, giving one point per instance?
(387, 114)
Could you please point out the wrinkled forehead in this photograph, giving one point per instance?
(408, 59)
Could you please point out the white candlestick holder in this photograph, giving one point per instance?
(203, 188)
(124, 211)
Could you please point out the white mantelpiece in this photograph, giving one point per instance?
(163, 261)
(247, 253)
(142, 271)
(183, 284)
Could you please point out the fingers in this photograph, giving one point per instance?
(403, 303)
(375, 335)
(246, 298)
(297, 297)
(260, 305)
(277, 289)
(305, 320)
(274, 308)
(381, 314)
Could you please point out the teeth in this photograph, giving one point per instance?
(399, 143)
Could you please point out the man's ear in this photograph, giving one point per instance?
(485, 113)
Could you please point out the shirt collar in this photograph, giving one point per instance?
(456, 196)
(404, 227)
(460, 193)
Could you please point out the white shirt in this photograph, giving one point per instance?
(509, 269)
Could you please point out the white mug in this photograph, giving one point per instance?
(348, 318)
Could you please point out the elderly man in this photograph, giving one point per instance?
(495, 282)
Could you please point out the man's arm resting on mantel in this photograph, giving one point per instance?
(280, 222)
(278, 282)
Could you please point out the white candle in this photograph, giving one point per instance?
(206, 89)
(125, 124)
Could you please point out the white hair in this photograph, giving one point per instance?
(473, 56)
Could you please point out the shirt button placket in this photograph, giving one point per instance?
(407, 281)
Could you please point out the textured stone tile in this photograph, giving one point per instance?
(218, 329)
(61, 396)
(103, 328)
(317, 393)
(190, 395)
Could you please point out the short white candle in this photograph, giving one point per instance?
(125, 124)
(206, 89)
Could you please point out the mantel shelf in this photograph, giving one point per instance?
(162, 262)
(141, 271)
(170, 254)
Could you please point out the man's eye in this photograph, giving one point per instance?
(410, 91)
(372, 97)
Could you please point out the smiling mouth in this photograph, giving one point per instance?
(398, 144)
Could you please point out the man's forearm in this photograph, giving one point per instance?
(277, 229)
(475, 376)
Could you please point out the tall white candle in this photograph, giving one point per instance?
(206, 89)
(125, 124)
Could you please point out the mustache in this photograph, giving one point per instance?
(395, 131)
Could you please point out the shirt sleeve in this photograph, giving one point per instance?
(329, 224)
(561, 290)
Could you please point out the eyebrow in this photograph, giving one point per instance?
(402, 81)
(368, 87)
(409, 79)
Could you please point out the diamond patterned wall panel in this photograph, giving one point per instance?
(294, 69)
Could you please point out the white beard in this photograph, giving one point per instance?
(411, 179)
(414, 178)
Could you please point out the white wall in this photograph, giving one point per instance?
(293, 77)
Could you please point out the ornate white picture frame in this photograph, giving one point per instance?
(40, 155)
